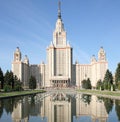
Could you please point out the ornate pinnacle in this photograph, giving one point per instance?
(59, 10)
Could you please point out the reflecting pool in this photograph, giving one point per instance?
(59, 107)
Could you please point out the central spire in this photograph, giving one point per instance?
(59, 10)
(59, 35)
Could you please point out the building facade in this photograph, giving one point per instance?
(59, 71)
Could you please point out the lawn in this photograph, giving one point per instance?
(102, 93)
(19, 93)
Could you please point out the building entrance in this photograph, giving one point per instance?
(60, 83)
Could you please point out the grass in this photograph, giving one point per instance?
(19, 93)
(94, 92)
(110, 93)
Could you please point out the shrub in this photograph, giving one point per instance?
(7, 88)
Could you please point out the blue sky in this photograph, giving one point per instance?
(29, 24)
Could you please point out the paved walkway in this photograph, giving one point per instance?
(74, 91)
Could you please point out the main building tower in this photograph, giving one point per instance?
(59, 70)
(59, 56)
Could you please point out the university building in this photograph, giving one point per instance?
(59, 70)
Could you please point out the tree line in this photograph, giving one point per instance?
(109, 82)
(10, 82)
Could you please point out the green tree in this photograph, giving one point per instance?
(117, 76)
(32, 82)
(99, 85)
(1, 78)
(108, 80)
(17, 84)
(118, 85)
(89, 86)
(11, 82)
(9, 79)
(86, 84)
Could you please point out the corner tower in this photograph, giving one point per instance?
(101, 55)
(17, 55)
(21, 68)
(17, 63)
(59, 56)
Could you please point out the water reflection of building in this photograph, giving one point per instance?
(57, 108)
(25, 108)
(53, 108)
(60, 107)
(20, 112)
(92, 107)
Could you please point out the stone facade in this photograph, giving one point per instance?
(59, 71)
(94, 71)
